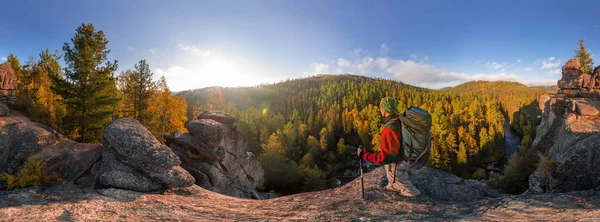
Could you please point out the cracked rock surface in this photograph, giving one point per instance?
(68, 202)
(216, 153)
(133, 159)
(569, 135)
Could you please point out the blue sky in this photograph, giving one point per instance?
(432, 44)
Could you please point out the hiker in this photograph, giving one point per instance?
(391, 137)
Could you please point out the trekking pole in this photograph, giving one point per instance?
(362, 181)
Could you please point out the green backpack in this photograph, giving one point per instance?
(416, 136)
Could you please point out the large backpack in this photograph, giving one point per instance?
(416, 136)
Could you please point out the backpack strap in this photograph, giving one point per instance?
(411, 149)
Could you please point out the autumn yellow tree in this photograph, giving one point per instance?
(167, 112)
(35, 96)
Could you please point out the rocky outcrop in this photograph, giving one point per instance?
(8, 80)
(20, 139)
(216, 153)
(67, 202)
(3, 109)
(70, 160)
(571, 75)
(569, 134)
(441, 185)
(133, 159)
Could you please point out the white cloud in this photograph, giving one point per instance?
(495, 65)
(416, 71)
(554, 72)
(382, 63)
(496, 77)
(359, 51)
(418, 57)
(318, 68)
(477, 62)
(130, 48)
(192, 70)
(151, 51)
(544, 82)
(3, 58)
(383, 49)
(194, 50)
(211, 73)
(549, 63)
(341, 62)
(365, 65)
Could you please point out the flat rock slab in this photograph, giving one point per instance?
(339, 204)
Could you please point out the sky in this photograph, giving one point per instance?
(431, 44)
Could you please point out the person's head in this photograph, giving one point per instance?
(388, 106)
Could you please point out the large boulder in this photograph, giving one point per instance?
(572, 64)
(133, 159)
(69, 160)
(569, 135)
(216, 153)
(20, 139)
(571, 75)
(442, 185)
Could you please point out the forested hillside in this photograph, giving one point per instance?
(303, 130)
(306, 126)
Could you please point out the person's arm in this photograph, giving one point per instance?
(390, 144)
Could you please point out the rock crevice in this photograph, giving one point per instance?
(216, 153)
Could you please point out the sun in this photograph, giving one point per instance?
(223, 72)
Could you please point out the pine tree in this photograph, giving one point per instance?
(142, 88)
(88, 85)
(136, 86)
(584, 57)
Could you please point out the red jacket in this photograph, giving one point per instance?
(390, 145)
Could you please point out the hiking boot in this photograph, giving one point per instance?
(393, 188)
(410, 192)
(404, 191)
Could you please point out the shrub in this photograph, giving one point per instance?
(546, 165)
(479, 174)
(30, 176)
(191, 155)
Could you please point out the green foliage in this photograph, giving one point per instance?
(88, 86)
(343, 148)
(137, 88)
(281, 174)
(34, 95)
(546, 165)
(479, 173)
(515, 178)
(584, 57)
(192, 155)
(313, 179)
(312, 115)
(30, 176)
